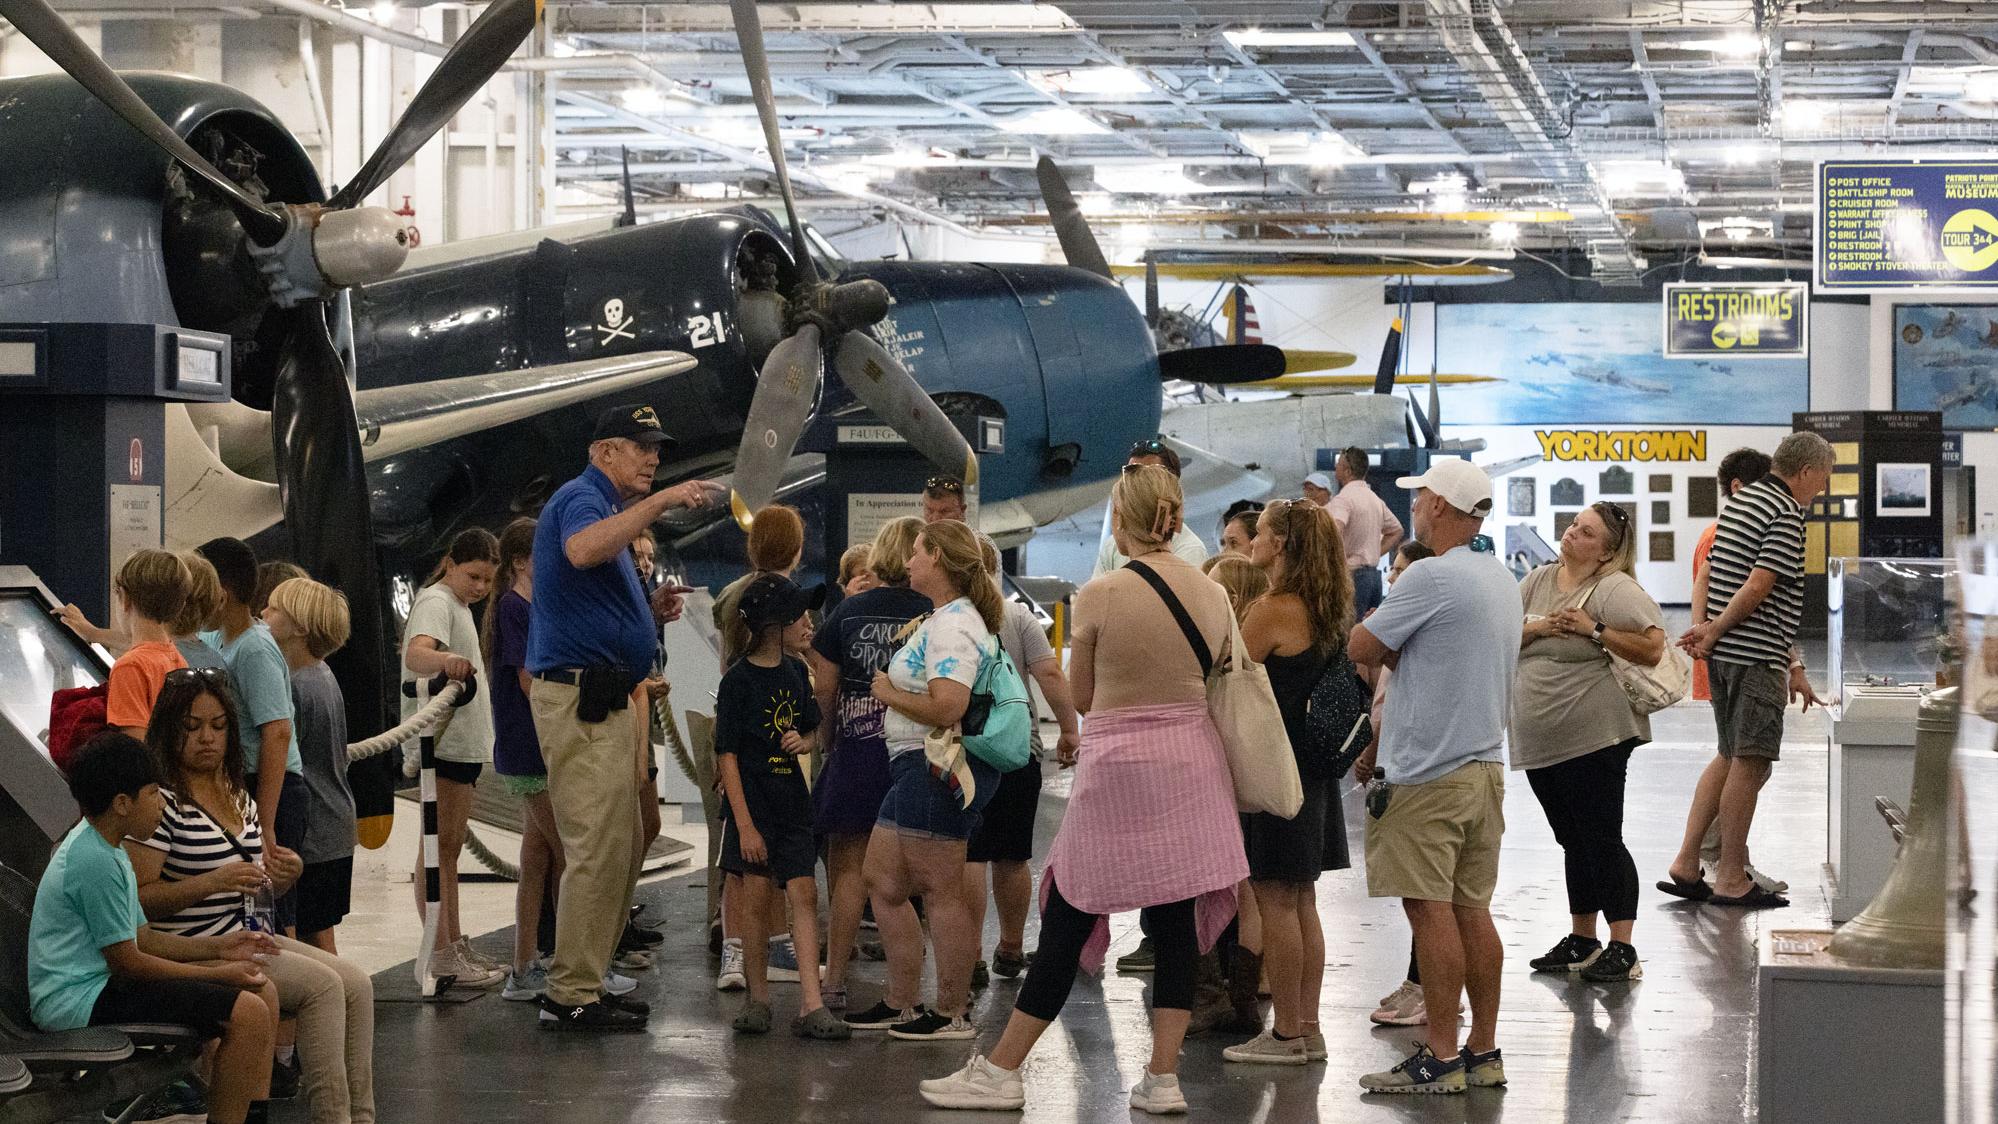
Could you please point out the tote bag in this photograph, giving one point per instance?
(1650, 689)
(1244, 709)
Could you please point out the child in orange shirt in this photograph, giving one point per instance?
(150, 592)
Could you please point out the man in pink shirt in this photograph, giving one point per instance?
(1366, 527)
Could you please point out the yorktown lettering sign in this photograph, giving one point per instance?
(1622, 444)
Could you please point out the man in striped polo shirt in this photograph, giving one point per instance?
(1746, 610)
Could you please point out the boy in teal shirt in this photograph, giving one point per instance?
(92, 961)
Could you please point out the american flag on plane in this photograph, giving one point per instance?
(1242, 324)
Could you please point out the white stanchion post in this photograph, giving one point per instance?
(427, 984)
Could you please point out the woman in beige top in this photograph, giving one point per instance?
(1573, 728)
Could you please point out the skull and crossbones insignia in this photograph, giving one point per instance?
(617, 323)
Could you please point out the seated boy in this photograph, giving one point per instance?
(93, 961)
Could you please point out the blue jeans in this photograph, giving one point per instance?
(1367, 590)
(921, 805)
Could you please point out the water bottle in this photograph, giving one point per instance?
(260, 912)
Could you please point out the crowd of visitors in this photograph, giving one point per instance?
(215, 861)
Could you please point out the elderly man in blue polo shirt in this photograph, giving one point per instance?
(592, 640)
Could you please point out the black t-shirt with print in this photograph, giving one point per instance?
(754, 708)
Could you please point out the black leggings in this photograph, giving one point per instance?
(1065, 929)
(1583, 799)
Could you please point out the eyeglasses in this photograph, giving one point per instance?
(944, 484)
(212, 675)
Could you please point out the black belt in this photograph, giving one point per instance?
(570, 676)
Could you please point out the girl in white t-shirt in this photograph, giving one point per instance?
(441, 637)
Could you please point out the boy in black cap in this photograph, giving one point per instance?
(763, 713)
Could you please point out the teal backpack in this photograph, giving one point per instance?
(998, 726)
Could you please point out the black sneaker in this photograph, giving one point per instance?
(1571, 955)
(1617, 964)
(178, 1103)
(626, 1004)
(597, 1016)
(640, 938)
(880, 1017)
(933, 1027)
(284, 1079)
(1010, 964)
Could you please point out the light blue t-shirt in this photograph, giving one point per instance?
(87, 902)
(1455, 620)
(263, 690)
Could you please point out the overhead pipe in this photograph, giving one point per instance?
(315, 96)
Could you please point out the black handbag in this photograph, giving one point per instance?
(1338, 721)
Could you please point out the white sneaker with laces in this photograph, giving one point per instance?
(470, 955)
(1158, 1094)
(1267, 1049)
(615, 984)
(1402, 1007)
(447, 962)
(731, 978)
(979, 1085)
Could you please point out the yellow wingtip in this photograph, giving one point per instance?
(971, 470)
(743, 516)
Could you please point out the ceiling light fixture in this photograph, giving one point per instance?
(383, 11)
(1641, 178)
(1109, 80)
(1747, 152)
(1740, 45)
(1981, 86)
(1148, 179)
(643, 99)
(1800, 113)
(1054, 121)
(1505, 233)
(1257, 37)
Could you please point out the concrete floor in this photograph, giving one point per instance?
(1674, 1047)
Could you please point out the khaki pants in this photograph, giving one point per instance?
(334, 1003)
(596, 814)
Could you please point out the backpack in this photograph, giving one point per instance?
(76, 714)
(998, 725)
(1338, 720)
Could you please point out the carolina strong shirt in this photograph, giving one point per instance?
(1761, 528)
(859, 636)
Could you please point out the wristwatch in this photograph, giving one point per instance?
(1597, 634)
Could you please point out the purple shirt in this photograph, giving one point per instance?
(516, 750)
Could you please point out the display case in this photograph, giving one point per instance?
(38, 657)
(1887, 622)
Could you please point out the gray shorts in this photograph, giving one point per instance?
(1749, 700)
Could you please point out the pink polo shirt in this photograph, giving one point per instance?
(1366, 527)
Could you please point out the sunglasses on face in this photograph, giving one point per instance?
(944, 484)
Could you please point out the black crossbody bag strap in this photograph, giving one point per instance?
(1199, 644)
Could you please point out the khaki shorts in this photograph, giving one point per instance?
(1439, 841)
(1749, 700)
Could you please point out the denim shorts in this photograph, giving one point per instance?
(919, 804)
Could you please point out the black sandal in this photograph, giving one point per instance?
(1755, 898)
(1695, 891)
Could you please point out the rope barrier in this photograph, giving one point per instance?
(430, 718)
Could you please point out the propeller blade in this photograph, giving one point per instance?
(630, 216)
(1078, 245)
(1152, 294)
(1435, 404)
(325, 495)
(1390, 359)
(35, 20)
(886, 387)
(475, 57)
(1222, 364)
(777, 414)
(1429, 438)
(749, 36)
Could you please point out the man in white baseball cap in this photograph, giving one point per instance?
(1450, 629)
(1318, 488)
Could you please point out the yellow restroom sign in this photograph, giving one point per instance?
(1758, 320)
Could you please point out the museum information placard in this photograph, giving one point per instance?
(1896, 225)
(1755, 320)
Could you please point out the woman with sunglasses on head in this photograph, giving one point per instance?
(1573, 728)
(1183, 543)
(200, 868)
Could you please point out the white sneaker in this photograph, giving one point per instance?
(1402, 1007)
(1158, 1094)
(447, 962)
(979, 1085)
(473, 956)
(1265, 1049)
(731, 977)
(615, 984)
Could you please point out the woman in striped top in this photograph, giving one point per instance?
(208, 853)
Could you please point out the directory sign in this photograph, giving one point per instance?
(1907, 225)
(1746, 321)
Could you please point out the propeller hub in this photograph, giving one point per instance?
(359, 246)
(842, 308)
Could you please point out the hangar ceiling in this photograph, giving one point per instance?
(1623, 130)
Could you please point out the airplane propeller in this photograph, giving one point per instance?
(820, 312)
(307, 253)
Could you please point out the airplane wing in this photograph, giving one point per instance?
(1500, 468)
(1341, 384)
(1421, 273)
(396, 419)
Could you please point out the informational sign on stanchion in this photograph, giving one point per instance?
(1906, 225)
